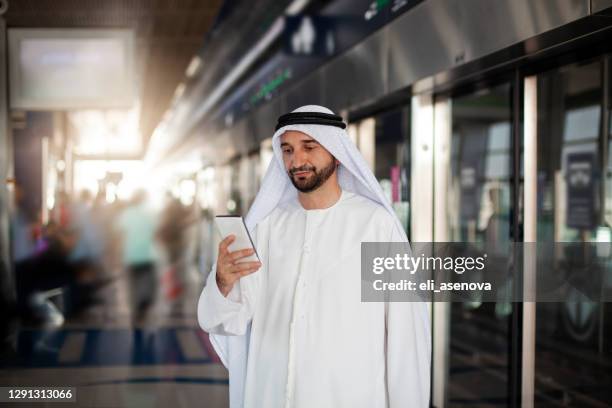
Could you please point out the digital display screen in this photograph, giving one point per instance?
(71, 69)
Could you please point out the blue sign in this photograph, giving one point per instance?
(582, 178)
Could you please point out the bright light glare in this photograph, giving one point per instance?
(101, 132)
(194, 66)
(187, 191)
(206, 193)
(110, 193)
(231, 205)
(90, 174)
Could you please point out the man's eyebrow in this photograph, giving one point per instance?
(285, 144)
(310, 141)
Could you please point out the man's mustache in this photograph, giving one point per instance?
(302, 168)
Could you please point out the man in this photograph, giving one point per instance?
(292, 330)
(137, 223)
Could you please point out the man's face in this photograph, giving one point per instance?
(308, 164)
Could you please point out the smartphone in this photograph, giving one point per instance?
(234, 225)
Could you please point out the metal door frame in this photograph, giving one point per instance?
(441, 130)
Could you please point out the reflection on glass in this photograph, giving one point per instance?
(392, 159)
(573, 356)
(478, 211)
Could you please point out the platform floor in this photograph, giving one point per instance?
(165, 361)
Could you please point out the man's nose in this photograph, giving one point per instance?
(299, 158)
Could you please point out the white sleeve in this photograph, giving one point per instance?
(229, 315)
(408, 351)
(220, 315)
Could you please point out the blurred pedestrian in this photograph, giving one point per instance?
(137, 224)
(175, 236)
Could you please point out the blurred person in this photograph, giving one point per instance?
(24, 250)
(138, 224)
(497, 230)
(23, 230)
(115, 244)
(87, 253)
(61, 211)
(205, 238)
(173, 221)
(103, 220)
(40, 257)
(293, 330)
(175, 234)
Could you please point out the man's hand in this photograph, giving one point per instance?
(228, 269)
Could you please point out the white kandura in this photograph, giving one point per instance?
(295, 333)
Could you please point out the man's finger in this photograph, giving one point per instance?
(234, 256)
(225, 243)
(247, 272)
(243, 266)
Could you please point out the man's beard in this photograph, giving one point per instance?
(313, 181)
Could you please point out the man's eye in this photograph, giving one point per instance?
(286, 151)
(308, 148)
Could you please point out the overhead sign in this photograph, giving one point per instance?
(58, 69)
(309, 35)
